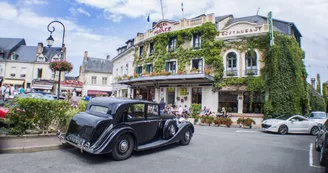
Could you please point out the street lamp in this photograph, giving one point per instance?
(50, 42)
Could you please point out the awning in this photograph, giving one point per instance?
(96, 92)
(46, 87)
(13, 82)
(70, 88)
(161, 81)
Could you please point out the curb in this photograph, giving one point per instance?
(29, 136)
(34, 149)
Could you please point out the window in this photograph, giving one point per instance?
(104, 80)
(14, 56)
(253, 105)
(39, 75)
(152, 111)
(151, 48)
(231, 64)
(99, 109)
(126, 69)
(139, 70)
(149, 68)
(28, 85)
(41, 58)
(251, 63)
(298, 119)
(318, 115)
(170, 66)
(13, 72)
(136, 112)
(125, 93)
(94, 80)
(228, 100)
(141, 50)
(197, 95)
(197, 41)
(197, 64)
(121, 73)
(23, 72)
(172, 44)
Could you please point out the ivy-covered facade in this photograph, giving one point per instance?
(221, 62)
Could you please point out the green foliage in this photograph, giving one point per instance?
(318, 84)
(195, 109)
(210, 49)
(317, 102)
(82, 105)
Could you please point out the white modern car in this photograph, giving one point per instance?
(317, 116)
(290, 124)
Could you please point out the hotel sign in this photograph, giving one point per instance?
(161, 28)
(243, 29)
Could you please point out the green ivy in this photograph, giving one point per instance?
(210, 49)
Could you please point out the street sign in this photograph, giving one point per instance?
(270, 23)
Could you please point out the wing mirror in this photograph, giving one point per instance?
(292, 120)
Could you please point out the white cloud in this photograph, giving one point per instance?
(113, 17)
(33, 2)
(7, 11)
(23, 23)
(76, 12)
(310, 16)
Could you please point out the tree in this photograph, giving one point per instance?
(318, 84)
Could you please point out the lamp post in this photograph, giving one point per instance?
(50, 42)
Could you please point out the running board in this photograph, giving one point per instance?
(154, 144)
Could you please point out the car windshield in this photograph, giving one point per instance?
(319, 115)
(283, 117)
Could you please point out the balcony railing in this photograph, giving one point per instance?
(231, 73)
(251, 72)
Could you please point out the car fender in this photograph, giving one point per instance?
(183, 127)
(107, 144)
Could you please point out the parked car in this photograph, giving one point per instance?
(119, 126)
(290, 124)
(318, 116)
(321, 143)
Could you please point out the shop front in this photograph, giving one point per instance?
(97, 93)
(178, 90)
(14, 82)
(43, 85)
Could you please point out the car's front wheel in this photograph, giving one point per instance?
(123, 147)
(314, 130)
(283, 129)
(186, 137)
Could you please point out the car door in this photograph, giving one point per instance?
(136, 118)
(305, 125)
(295, 125)
(154, 120)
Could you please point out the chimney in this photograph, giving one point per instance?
(40, 48)
(108, 57)
(85, 55)
(313, 82)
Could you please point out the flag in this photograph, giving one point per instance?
(148, 19)
(182, 6)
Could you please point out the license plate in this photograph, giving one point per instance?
(75, 140)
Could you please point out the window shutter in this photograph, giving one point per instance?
(167, 66)
(136, 69)
(174, 64)
(147, 68)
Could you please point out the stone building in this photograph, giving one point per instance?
(22, 65)
(194, 84)
(96, 75)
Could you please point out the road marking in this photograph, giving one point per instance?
(246, 131)
(311, 157)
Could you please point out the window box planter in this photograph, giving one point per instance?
(246, 122)
(250, 72)
(145, 74)
(119, 78)
(194, 70)
(129, 77)
(230, 73)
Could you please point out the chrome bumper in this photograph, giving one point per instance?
(80, 146)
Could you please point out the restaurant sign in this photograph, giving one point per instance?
(243, 29)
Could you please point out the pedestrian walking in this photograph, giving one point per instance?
(162, 106)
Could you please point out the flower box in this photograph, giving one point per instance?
(250, 72)
(230, 73)
(246, 122)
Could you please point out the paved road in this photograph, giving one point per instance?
(213, 149)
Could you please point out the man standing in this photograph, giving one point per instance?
(162, 106)
(21, 90)
(180, 111)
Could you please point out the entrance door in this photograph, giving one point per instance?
(170, 95)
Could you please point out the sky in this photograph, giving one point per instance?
(101, 26)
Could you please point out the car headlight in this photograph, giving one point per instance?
(264, 122)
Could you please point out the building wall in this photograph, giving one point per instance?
(87, 80)
(210, 99)
(46, 71)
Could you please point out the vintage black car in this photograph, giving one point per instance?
(321, 143)
(119, 126)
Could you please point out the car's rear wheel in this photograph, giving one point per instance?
(186, 137)
(314, 130)
(123, 147)
(283, 129)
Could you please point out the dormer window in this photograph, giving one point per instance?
(14, 56)
(41, 58)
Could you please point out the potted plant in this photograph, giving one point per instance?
(181, 72)
(194, 70)
(196, 117)
(185, 98)
(119, 78)
(125, 76)
(250, 72)
(129, 77)
(246, 122)
(178, 98)
(230, 73)
(135, 75)
(207, 71)
(228, 122)
(145, 74)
